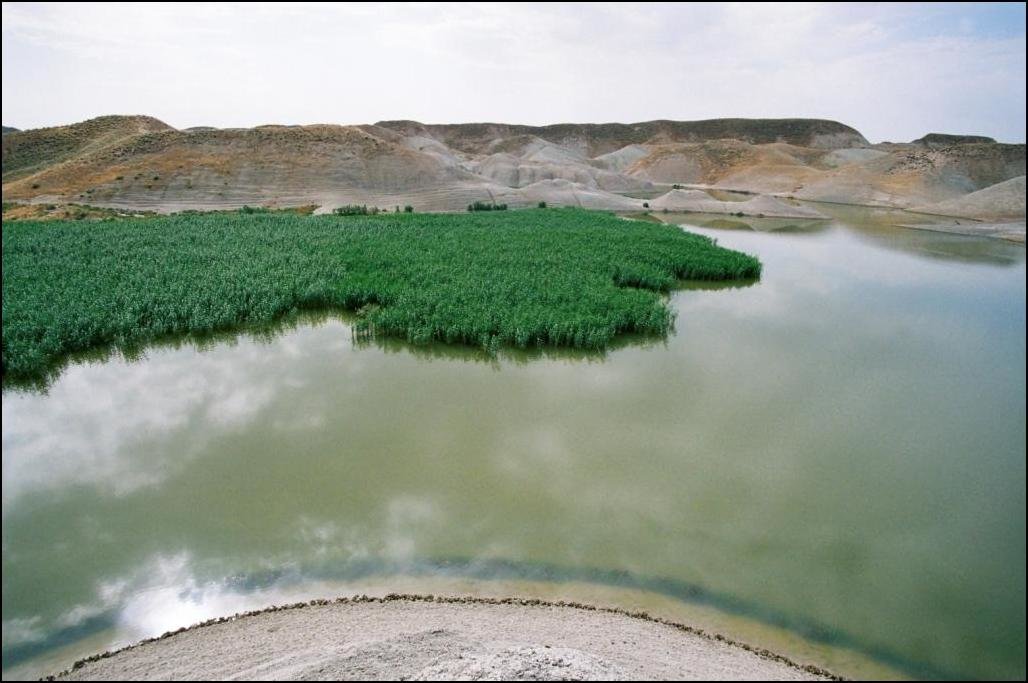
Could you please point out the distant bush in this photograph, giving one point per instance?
(646, 205)
(254, 209)
(542, 205)
(486, 206)
(355, 210)
(408, 209)
(676, 186)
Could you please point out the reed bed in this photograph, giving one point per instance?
(564, 277)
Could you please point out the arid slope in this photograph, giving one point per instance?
(139, 162)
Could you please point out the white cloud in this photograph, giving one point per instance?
(892, 71)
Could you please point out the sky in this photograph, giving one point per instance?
(893, 71)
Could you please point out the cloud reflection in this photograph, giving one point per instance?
(98, 424)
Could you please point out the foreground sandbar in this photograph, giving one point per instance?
(413, 637)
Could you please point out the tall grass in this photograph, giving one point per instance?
(486, 206)
(563, 277)
(355, 210)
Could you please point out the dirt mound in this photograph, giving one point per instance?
(698, 201)
(997, 202)
(566, 193)
(621, 159)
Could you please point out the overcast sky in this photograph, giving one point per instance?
(894, 72)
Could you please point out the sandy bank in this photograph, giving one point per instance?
(411, 637)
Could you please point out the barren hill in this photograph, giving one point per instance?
(594, 139)
(944, 139)
(30, 150)
(227, 166)
(139, 162)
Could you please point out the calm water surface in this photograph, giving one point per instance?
(830, 461)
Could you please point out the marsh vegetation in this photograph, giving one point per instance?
(568, 278)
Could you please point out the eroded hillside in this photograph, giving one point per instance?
(141, 163)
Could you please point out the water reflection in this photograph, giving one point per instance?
(167, 593)
(713, 286)
(755, 223)
(266, 334)
(840, 444)
(878, 226)
(438, 351)
(944, 246)
(875, 226)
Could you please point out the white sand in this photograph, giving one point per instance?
(409, 637)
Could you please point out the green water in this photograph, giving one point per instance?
(838, 449)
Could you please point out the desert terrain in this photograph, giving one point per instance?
(141, 163)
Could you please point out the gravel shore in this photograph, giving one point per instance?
(426, 638)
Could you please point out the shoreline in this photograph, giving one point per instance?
(491, 635)
(1010, 231)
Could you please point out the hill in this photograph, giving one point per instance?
(138, 162)
(594, 139)
(31, 150)
(945, 139)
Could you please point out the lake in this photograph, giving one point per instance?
(829, 462)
